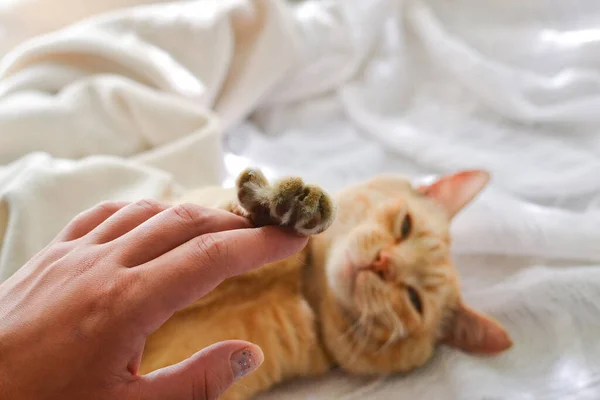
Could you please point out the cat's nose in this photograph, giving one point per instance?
(381, 265)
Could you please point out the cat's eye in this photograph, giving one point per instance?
(415, 299)
(406, 226)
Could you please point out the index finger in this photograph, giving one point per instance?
(190, 271)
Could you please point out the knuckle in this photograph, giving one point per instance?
(109, 207)
(51, 254)
(210, 387)
(212, 250)
(57, 250)
(82, 259)
(117, 289)
(150, 205)
(208, 247)
(189, 213)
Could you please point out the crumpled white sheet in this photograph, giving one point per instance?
(429, 87)
(338, 91)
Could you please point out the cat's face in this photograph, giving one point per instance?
(393, 290)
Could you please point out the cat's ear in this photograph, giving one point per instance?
(476, 333)
(455, 191)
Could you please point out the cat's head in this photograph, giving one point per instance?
(393, 292)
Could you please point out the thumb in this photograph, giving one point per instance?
(204, 376)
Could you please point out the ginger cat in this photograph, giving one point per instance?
(373, 294)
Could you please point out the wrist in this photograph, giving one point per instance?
(9, 371)
(5, 382)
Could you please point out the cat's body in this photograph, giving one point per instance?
(374, 293)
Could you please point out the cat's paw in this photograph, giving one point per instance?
(306, 209)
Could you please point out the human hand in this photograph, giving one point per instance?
(74, 319)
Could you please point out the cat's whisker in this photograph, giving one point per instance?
(359, 341)
(362, 324)
(368, 325)
(362, 342)
(355, 329)
(397, 328)
(387, 343)
(350, 330)
(353, 352)
(388, 317)
(400, 327)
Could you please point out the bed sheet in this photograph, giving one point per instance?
(441, 86)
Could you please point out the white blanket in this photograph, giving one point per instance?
(133, 103)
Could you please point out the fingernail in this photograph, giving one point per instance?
(245, 361)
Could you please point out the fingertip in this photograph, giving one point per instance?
(246, 360)
(244, 223)
(285, 242)
(208, 373)
(284, 233)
